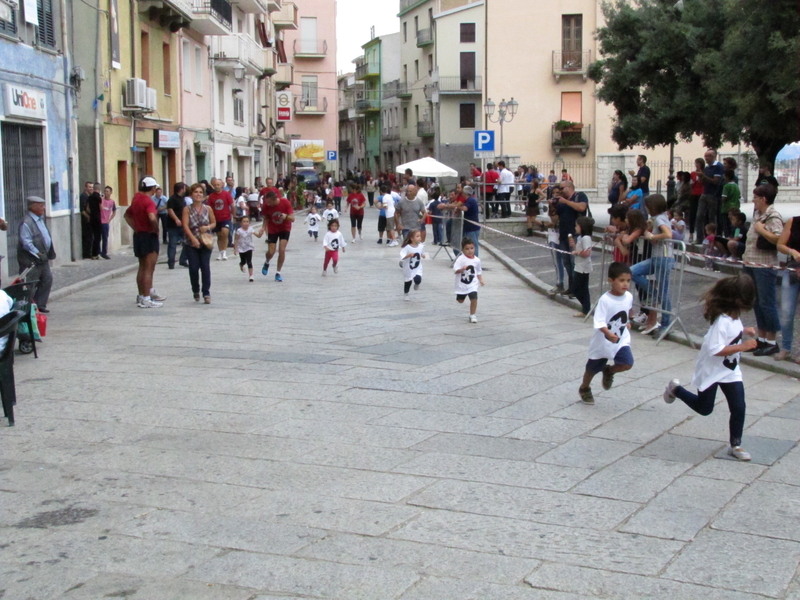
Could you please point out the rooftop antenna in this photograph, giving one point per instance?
(372, 32)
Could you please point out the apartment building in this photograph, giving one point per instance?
(312, 49)
(38, 139)
(417, 130)
(351, 138)
(391, 104)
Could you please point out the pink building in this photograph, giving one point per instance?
(312, 50)
(196, 139)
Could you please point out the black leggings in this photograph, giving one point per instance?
(246, 258)
(581, 291)
(407, 284)
(703, 403)
(356, 221)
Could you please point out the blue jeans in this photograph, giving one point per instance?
(438, 231)
(568, 264)
(559, 265)
(475, 237)
(175, 236)
(657, 291)
(789, 296)
(104, 244)
(703, 403)
(199, 263)
(766, 307)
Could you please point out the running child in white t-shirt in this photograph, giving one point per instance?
(411, 255)
(332, 242)
(468, 277)
(330, 213)
(313, 219)
(718, 360)
(243, 244)
(612, 336)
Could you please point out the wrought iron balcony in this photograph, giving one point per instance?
(571, 63)
(212, 17)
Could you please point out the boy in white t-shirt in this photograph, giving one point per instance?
(468, 277)
(330, 213)
(612, 337)
(313, 219)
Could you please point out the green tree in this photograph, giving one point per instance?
(725, 70)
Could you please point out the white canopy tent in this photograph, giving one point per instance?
(427, 167)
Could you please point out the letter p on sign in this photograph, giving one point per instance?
(484, 141)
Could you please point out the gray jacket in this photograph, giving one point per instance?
(25, 258)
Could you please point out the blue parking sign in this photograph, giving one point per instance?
(331, 155)
(483, 141)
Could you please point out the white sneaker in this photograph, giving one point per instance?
(324, 273)
(219, 257)
(155, 297)
(354, 241)
(669, 393)
(148, 303)
(251, 278)
(416, 286)
(335, 268)
(640, 319)
(406, 297)
(224, 256)
(473, 319)
(739, 453)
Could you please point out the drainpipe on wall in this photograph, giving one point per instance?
(97, 75)
(71, 135)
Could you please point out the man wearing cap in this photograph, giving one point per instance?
(142, 216)
(35, 249)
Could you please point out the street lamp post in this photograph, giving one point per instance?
(506, 112)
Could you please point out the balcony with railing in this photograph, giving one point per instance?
(212, 17)
(345, 145)
(394, 89)
(239, 50)
(459, 85)
(425, 129)
(368, 102)
(367, 70)
(257, 7)
(181, 9)
(310, 48)
(286, 17)
(571, 136)
(571, 63)
(391, 133)
(310, 106)
(424, 37)
(285, 75)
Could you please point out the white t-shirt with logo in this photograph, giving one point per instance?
(611, 312)
(334, 240)
(467, 281)
(313, 220)
(411, 261)
(583, 264)
(244, 239)
(329, 214)
(711, 369)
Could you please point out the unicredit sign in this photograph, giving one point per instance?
(25, 102)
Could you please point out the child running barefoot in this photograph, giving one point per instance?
(612, 338)
(411, 255)
(243, 245)
(332, 242)
(468, 277)
(313, 219)
(718, 361)
(582, 250)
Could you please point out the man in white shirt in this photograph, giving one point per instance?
(422, 195)
(504, 190)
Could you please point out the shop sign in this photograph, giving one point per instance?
(25, 102)
(168, 139)
(283, 106)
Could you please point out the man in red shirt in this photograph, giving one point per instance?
(221, 202)
(269, 187)
(278, 218)
(491, 177)
(142, 216)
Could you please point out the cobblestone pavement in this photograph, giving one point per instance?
(321, 438)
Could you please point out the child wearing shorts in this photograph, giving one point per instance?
(468, 277)
(612, 337)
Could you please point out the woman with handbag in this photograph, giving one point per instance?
(789, 244)
(760, 249)
(198, 224)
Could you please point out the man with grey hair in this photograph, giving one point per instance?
(35, 250)
(410, 214)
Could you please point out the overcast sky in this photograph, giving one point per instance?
(353, 20)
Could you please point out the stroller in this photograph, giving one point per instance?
(32, 326)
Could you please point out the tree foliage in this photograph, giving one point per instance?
(725, 70)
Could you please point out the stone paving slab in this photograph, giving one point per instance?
(339, 449)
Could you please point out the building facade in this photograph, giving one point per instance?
(390, 102)
(351, 144)
(38, 139)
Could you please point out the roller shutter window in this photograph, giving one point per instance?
(46, 33)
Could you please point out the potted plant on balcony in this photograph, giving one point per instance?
(563, 125)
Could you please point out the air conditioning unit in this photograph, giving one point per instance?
(152, 102)
(135, 93)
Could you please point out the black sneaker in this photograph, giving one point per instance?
(586, 395)
(767, 350)
(761, 345)
(608, 378)
(380, 241)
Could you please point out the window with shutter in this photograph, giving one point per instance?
(46, 33)
(9, 27)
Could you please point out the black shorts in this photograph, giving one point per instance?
(272, 238)
(356, 221)
(471, 295)
(222, 225)
(144, 243)
(381, 224)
